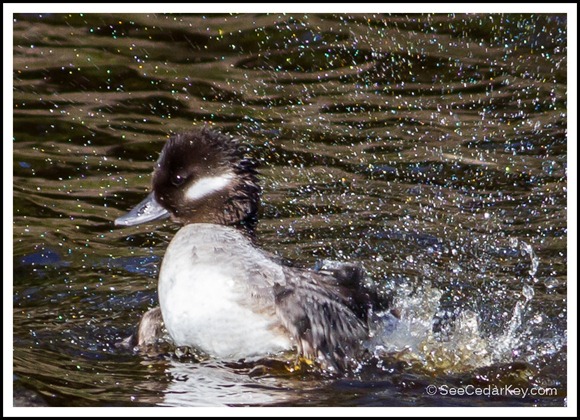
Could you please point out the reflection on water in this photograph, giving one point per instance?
(430, 147)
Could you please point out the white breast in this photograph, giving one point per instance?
(215, 292)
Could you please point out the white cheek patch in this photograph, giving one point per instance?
(208, 185)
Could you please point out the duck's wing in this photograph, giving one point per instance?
(317, 310)
(150, 327)
(149, 331)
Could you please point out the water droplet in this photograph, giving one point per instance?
(528, 292)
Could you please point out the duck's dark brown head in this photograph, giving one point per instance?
(201, 176)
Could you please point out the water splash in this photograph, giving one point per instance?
(526, 249)
(456, 344)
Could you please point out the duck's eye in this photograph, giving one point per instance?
(177, 180)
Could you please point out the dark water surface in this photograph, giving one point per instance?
(433, 148)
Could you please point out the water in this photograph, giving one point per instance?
(430, 147)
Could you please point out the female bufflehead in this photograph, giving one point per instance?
(221, 294)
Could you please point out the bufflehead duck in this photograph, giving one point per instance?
(219, 292)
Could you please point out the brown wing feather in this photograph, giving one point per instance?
(314, 308)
